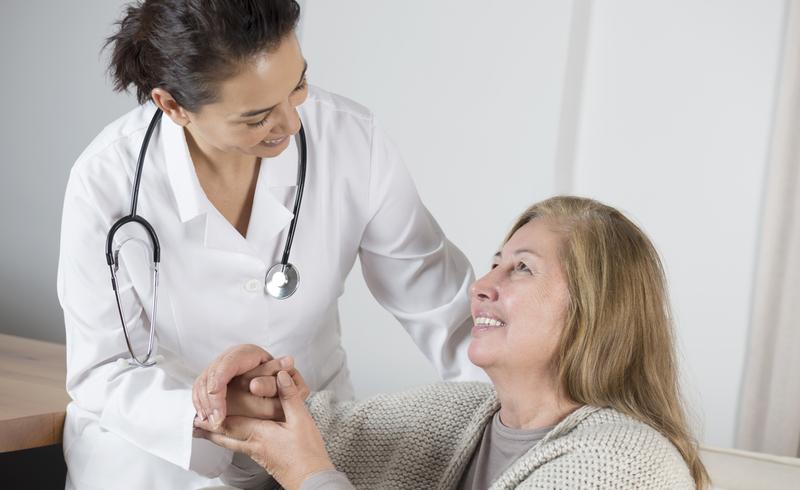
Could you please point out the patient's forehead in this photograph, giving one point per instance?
(540, 236)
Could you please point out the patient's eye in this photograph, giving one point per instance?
(521, 267)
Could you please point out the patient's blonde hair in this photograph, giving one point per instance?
(617, 348)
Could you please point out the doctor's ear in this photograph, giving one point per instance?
(170, 106)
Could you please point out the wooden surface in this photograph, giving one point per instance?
(32, 393)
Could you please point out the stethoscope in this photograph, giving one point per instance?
(280, 282)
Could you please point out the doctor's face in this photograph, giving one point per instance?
(519, 307)
(256, 109)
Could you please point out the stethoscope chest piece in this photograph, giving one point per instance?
(281, 281)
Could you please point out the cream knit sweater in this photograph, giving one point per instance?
(424, 439)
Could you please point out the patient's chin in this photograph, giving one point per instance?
(481, 354)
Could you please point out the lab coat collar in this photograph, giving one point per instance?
(273, 202)
(275, 190)
(189, 195)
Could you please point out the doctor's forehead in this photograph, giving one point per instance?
(263, 81)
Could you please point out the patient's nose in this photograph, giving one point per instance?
(484, 289)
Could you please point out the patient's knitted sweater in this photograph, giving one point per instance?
(425, 438)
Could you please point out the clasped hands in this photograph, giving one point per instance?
(251, 403)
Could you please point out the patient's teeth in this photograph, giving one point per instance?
(488, 322)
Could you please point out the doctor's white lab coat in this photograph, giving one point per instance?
(132, 427)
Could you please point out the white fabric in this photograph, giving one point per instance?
(131, 427)
(769, 410)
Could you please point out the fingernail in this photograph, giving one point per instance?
(215, 418)
(285, 362)
(284, 379)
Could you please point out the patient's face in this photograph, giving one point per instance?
(519, 307)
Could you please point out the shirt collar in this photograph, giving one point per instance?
(180, 170)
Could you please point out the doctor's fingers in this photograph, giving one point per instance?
(198, 387)
(233, 362)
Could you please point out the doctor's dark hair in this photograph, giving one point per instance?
(187, 47)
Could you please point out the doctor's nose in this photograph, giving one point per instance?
(287, 119)
(485, 288)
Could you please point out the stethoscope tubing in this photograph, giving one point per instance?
(112, 258)
(299, 198)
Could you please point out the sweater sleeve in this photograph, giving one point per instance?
(327, 480)
(407, 439)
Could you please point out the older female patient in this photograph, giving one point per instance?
(572, 326)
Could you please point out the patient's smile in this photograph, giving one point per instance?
(484, 324)
(486, 321)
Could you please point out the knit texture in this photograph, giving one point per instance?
(425, 438)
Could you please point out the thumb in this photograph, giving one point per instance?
(290, 396)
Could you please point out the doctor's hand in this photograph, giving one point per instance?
(236, 383)
(290, 451)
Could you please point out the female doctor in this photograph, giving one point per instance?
(220, 183)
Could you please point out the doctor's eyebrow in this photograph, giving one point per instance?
(268, 109)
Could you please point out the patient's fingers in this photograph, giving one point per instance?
(268, 386)
(298, 380)
(246, 404)
(265, 386)
(270, 368)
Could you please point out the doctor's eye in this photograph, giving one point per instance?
(303, 84)
(259, 124)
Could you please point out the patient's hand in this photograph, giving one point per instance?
(290, 451)
(237, 382)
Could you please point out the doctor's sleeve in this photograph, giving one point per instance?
(151, 407)
(411, 268)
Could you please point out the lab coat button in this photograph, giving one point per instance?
(253, 286)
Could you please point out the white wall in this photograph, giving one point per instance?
(55, 99)
(471, 92)
(674, 127)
